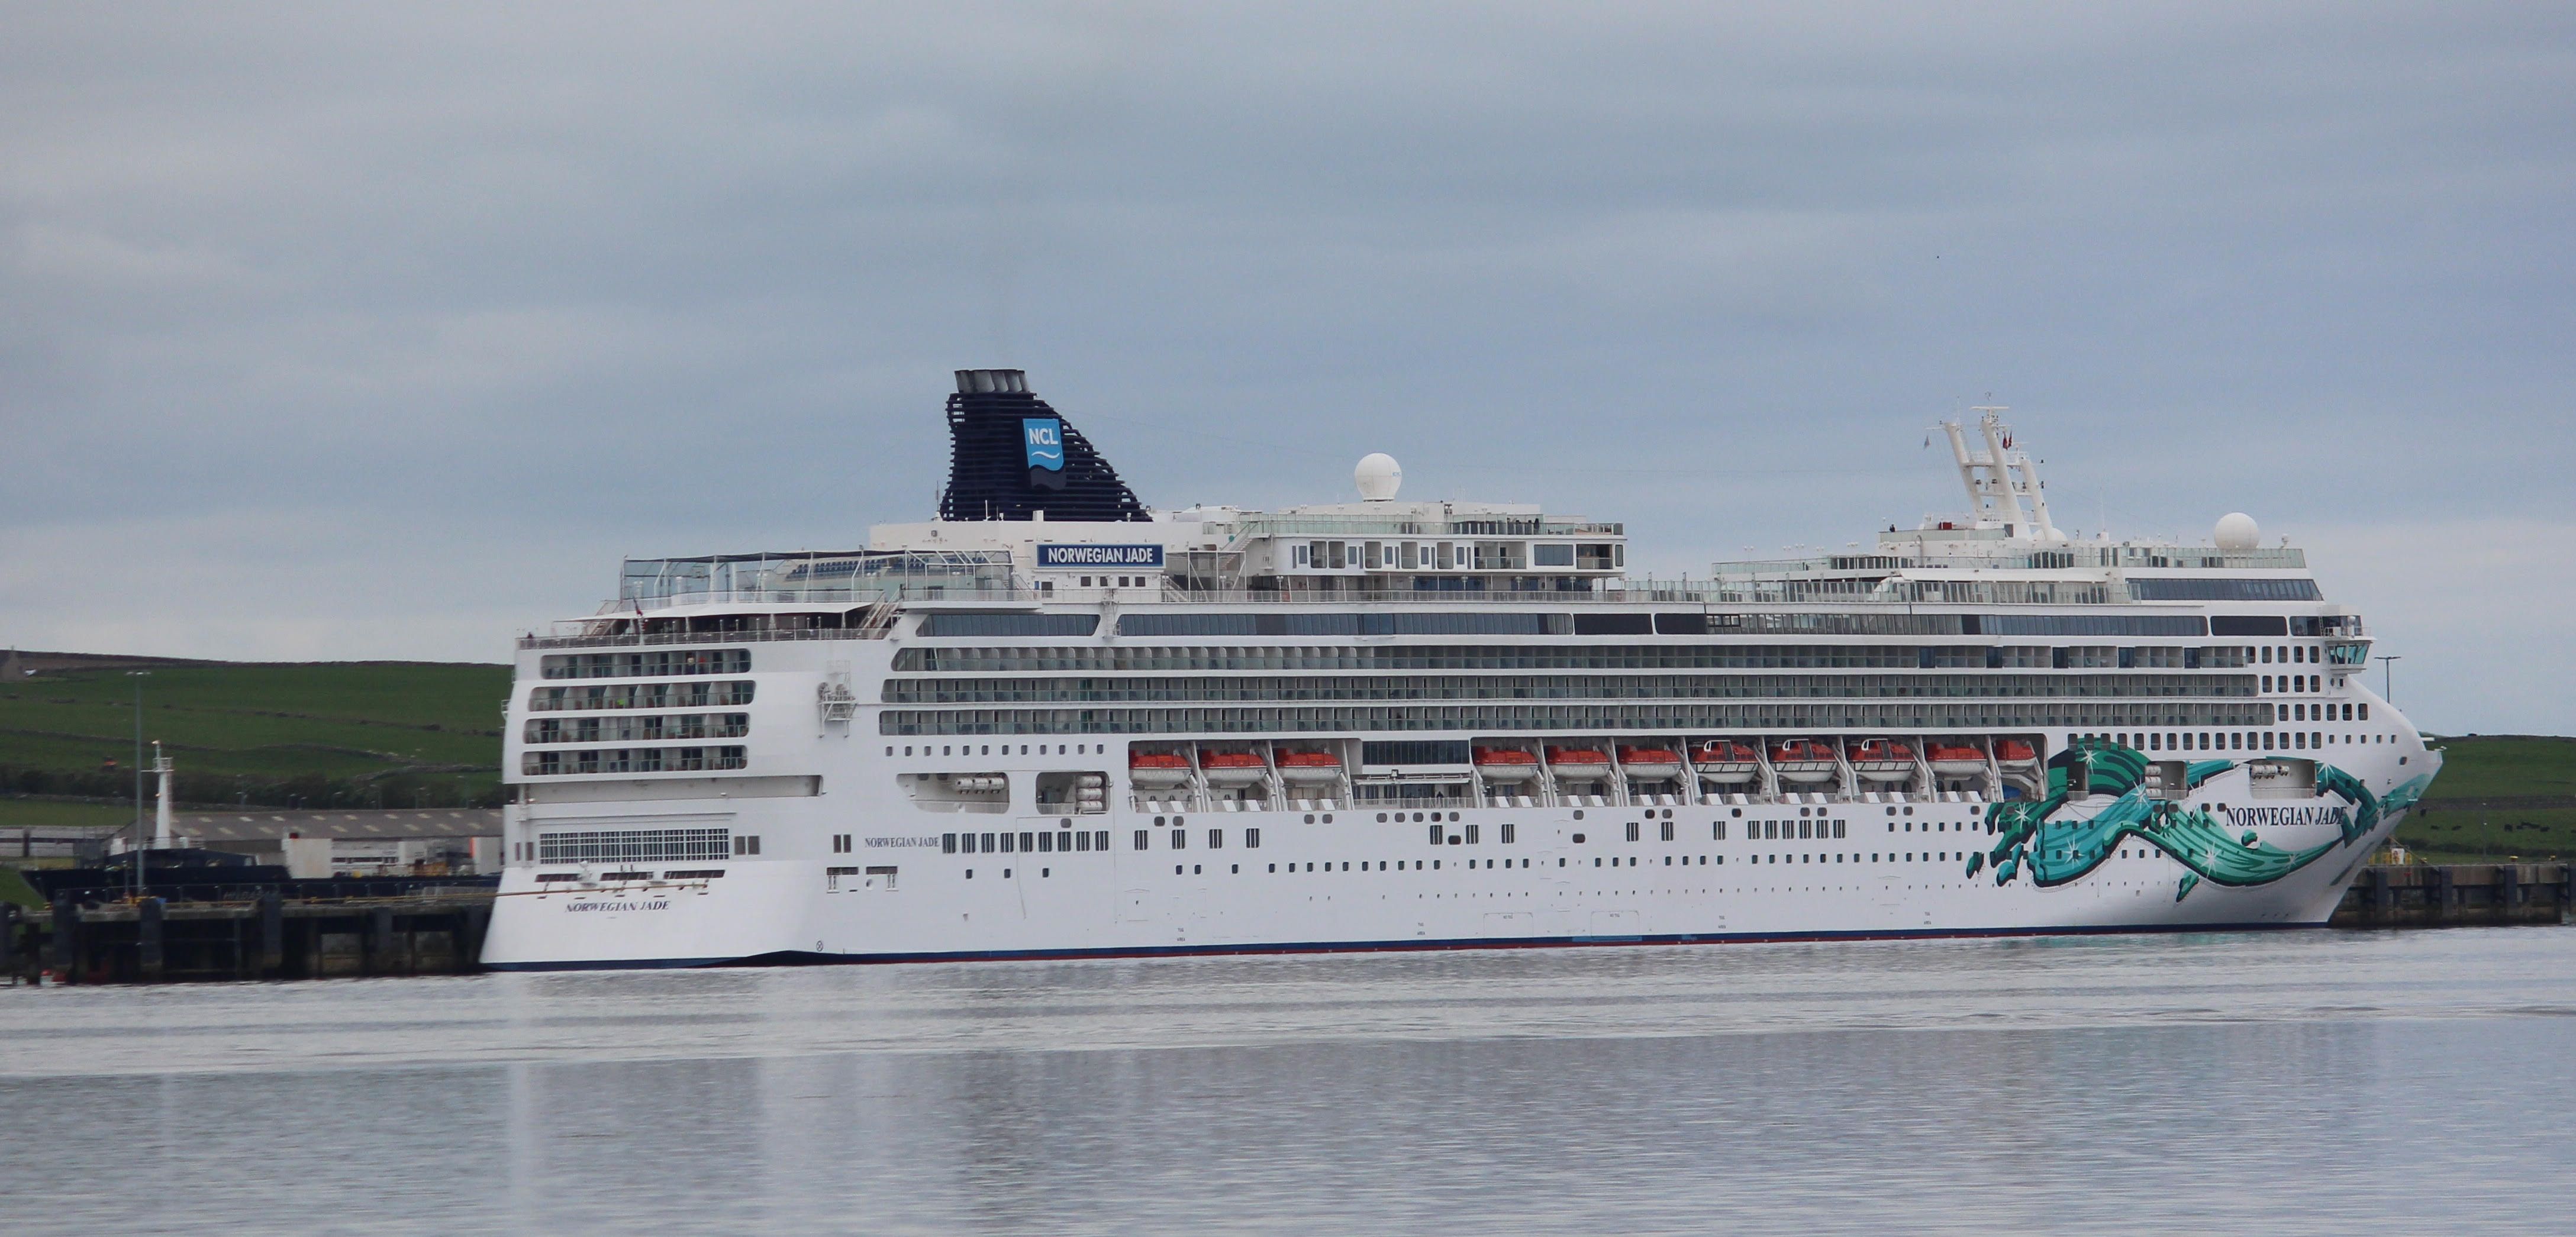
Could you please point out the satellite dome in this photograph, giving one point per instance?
(1378, 476)
(2237, 531)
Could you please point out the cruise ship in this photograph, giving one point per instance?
(1057, 722)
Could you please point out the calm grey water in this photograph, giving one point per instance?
(2312, 1082)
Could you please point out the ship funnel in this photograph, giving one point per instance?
(988, 381)
(1010, 456)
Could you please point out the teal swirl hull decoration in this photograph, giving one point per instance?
(2055, 852)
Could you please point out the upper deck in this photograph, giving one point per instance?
(1386, 554)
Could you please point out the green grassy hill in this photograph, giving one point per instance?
(322, 733)
(2499, 796)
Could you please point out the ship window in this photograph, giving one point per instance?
(1143, 840)
(1717, 831)
(1216, 839)
(1632, 831)
(1252, 839)
(1471, 841)
(1511, 833)
(1668, 831)
(1180, 839)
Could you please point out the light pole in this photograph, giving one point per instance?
(138, 676)
(2388, 684)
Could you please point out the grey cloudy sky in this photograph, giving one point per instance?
(335, 331)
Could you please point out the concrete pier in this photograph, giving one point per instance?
(2459, 895)
(270, 937)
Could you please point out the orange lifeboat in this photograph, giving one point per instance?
(1800, 760)
(2015, 754)
(1158, 769)
(1957, 760)
(1883, 760)
(1506, 764)
(1233, 768)
(1310, 768)
(1726, 761)
(1579, 763)
(1650, 764)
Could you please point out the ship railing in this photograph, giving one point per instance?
(2068, 557)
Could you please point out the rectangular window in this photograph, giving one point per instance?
(1252, 839)
(1180, 839)
(634, 845)
(1046, 843)
(1806, 829)
(1838, 828)
(1025, 839)
(1632, 831)
(1436, 835)
(1216, 839)
(988, 842)
(1668, 831)
(1717, 831)
(948, 843)
(1100, 840)
(1510, 833)
(1471, 835)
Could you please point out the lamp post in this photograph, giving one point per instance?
(138, 676)
(2388, 684)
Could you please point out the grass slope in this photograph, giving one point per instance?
(327, 732)
(2453, 823)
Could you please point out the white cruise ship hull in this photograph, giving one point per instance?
(1057, 723)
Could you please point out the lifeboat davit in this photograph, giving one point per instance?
(1158, 769)
(1957, 760)
(1506, 764)
(1650, 764)
(1721, 760)
(2016, 755)
(1579, 764)
(1233, 768)
(1883, 760)
(1799, 760)
(1309, 768)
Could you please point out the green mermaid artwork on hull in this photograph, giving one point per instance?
(2055, 852)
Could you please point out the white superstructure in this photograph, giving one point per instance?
(1403, 724)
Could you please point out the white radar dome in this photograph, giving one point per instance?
(2237, 531)
(1379, 476)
